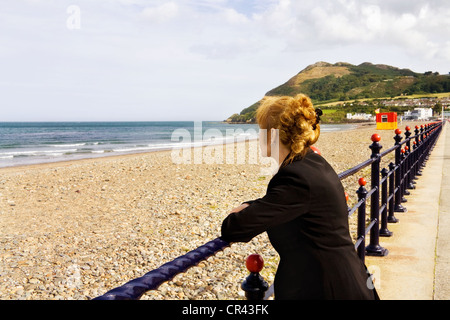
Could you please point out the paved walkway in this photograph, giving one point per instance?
(442, 273)
(418, 264)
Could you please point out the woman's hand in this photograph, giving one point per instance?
(241, 207)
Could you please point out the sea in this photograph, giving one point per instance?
(25, 143)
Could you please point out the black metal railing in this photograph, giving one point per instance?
(134, 289)
(395, 181)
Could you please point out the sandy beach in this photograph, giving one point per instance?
(74, 230)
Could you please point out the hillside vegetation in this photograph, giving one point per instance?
(325, 83)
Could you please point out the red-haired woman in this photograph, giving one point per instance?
(304, 211)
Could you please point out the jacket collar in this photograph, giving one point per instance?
(296, 158)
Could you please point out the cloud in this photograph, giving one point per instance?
(413, 26)
(161, 13)
(234, 17)
(231, 49)
(373, 18)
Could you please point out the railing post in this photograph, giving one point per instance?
(361, 231)
(405, 167)
(421, 147)
(403, 175)
(254, 285)
(391, 217)
(374, 248)
(409, 160)
(398, 191)
(422, 133)
(384, 232)
(408, 171)
(415, 159)
(427, 143)
(417, 152)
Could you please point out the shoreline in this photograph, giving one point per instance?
(99, 157)
(65, 163)
(79, 154)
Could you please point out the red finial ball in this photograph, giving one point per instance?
(417, 127)
(346, 196)
(362, 181)
(421, 125)
(315, 149)
(402, 151)
(398, 131)
(375, 137)
(406, 148)
(414, 142)
(254, 263)
(407, 128)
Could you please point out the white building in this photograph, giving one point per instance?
(361, 116)
(418, 114)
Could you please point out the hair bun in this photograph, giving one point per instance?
(318, 114)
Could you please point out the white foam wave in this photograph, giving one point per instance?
(36, 152)
(68, 145)
(131, 149)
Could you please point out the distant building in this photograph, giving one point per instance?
(361, 116)
(418, 114)
(386, 120)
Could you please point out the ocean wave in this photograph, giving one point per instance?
(68, 145)
(35, 153)
(131, 149)
(55, 154)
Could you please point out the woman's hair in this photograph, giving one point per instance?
(295, 118)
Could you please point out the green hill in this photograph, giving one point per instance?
(325, 83)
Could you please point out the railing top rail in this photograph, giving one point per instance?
(384, 153)
(134, 289)
(355, 169)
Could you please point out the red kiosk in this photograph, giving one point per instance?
(387, 120)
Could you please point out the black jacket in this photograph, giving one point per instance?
(306, 218)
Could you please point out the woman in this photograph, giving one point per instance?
(304, 211)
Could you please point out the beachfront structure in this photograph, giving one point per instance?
(386, 120)
(418, 114)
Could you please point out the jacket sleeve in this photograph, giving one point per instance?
(287, 198)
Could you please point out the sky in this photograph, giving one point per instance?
(138, 60)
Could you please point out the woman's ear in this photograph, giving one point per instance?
(275, 144)
(273, 136)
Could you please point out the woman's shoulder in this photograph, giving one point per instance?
(309, 159)
(312, 164)
(292, 172)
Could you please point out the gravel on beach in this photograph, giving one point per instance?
(75, 230)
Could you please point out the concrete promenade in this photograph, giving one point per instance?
(418, 264)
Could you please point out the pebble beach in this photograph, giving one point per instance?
(75, 230)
